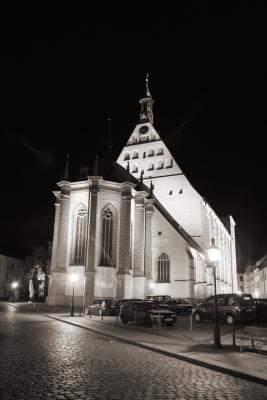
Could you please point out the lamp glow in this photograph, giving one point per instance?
(214, 255)
(73, 277)
(14, 285)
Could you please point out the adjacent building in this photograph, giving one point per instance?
(137, 227)
(11, 270)
(255, 279)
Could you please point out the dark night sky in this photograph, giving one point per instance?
(61, 81)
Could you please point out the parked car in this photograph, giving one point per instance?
(146, 312)
(231, 308)
(120, 302)
(158, 298)
(261, 309)
(104, 306)
(179, 306)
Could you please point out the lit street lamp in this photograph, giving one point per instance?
(14, 286)
(214, 254)
(73, 279)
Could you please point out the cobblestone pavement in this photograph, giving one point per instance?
(42, 358)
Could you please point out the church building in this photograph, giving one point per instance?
(137, 227)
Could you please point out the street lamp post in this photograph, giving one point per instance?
(73, 279)
(14, 286)
(214, 256)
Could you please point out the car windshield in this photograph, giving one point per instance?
(247, 300)
(150, 305)
(109, 302)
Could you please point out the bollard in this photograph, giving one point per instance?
(117, 312)
(191, 326)
(159, 322)
(135, 319)
(90, 314)
(233, 331)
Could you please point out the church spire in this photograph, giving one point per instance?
(66, 170)
(95, 173)
(146, 114)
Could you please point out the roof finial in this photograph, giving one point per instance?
(147, 92)
(146, 114)
(141, 178)
(151, 190)
(109, 139)
(66, 170)
(95, 172)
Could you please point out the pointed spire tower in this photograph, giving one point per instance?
(146, 114)
(95, 172)
(66, 170)
(146, 151)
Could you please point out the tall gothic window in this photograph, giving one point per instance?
(108, 220)
(163, 268)
(79, 236)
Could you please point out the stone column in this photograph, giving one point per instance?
(139, 236)
(63, 228)
(91, 243)
(57, 278)
(139, 247)
(149, 210)
(191, 275)
(55, 235)
(124, 281)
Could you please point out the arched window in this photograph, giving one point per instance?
(159, 151)
(126, 156)
(150, 166)
(150, 153)
(163, 268)
(159, 164)
(134, 168)
(108, 221)
(79, 236)
(168, 163)
(135, 154)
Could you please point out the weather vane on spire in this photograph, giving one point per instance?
(147, 75)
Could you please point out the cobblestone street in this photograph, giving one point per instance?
(43, 358)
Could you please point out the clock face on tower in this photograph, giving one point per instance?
(143, 129)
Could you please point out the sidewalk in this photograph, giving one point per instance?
(169, 341)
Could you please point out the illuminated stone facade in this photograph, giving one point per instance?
(144, 233)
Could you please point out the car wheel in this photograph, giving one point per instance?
(148, 322)
(197, 317)
(124, 321)
(229, 319)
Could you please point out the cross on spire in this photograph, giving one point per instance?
(146, 114)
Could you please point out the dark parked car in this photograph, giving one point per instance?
(231, 308)
(104, 306)
(120, 302)
(179, 306)
(146, 312)
(261, 309)
(158, 298)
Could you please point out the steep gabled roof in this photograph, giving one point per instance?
(160, 208)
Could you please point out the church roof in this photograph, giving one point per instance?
(114, 172)
(110, 170)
